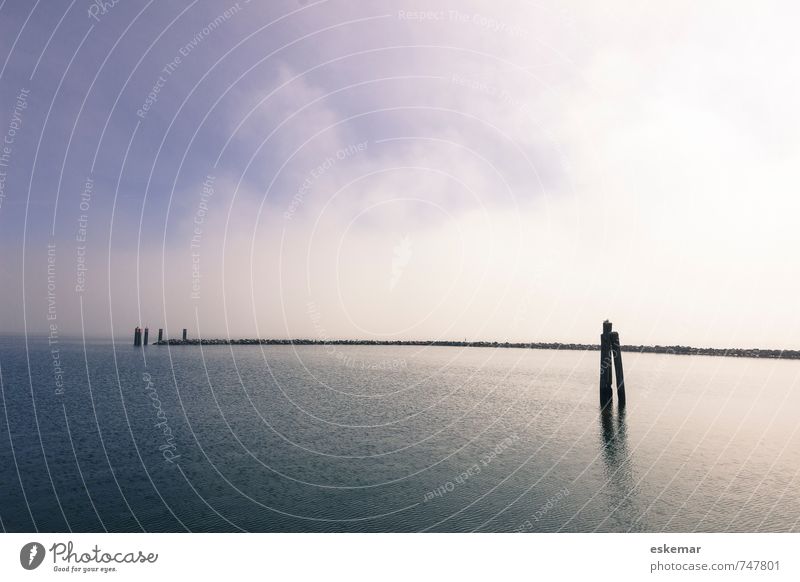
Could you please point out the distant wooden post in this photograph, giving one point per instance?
(606, 391)
(617, 352)
(146, 335)
(137, 337)
(184, 334)
(160, 335)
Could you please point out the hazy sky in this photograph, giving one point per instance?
(442, 169)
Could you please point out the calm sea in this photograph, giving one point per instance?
(313, 438)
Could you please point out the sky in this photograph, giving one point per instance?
(499, 171)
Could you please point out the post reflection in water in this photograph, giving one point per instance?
(619, 487)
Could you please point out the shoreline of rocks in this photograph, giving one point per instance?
(672, 350)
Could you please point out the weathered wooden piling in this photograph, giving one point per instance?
(146, 335)
(184, 334)
(611, 355)
(620, 376)
(160, 335)
(606, 391)
(137, 337)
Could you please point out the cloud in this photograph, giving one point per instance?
(551, 165)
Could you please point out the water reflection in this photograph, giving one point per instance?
(620, 483)
(615, 440)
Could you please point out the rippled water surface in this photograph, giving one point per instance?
(391, 439)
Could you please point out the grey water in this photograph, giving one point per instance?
(101, 436)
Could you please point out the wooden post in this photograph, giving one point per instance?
(606, 392)
(160, 335)
(146, 335)
(617, 352)
(184, 334)
(137, 337)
